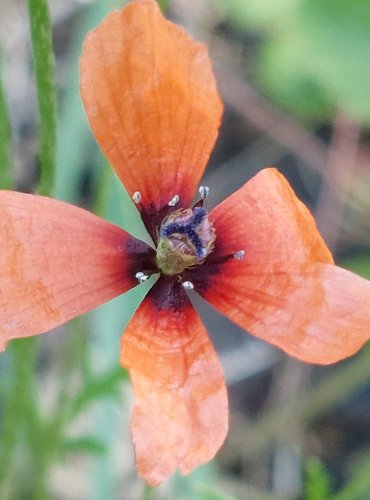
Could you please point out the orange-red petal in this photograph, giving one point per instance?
(151, 100)
(267, 220)
(286, 290)
(180, 414)
(318, 313)
(57, 261)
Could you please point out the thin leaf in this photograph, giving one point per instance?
(163, 4)
(358, 487)
(207, 492)
(43, 59)
(359, 264)
(82, 444)
(317, 484)
(105, 385)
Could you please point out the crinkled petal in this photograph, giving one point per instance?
(180, 414)
(267, 220)
(318, 313)
(151, 99)
(57, 261)
(286, 290)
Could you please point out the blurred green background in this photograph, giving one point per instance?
(294, 76)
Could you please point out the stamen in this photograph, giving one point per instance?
(239, 255)
(174, 201)
(136, 197)
(201, 252)
(188, 285)
(204, 192)
(141, 277)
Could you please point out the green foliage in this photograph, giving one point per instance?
(283, 74)
(315, 55)
(207, 492)
(82, 445)
(359, 265)
(257, 14)
(163, 5)
(22, 421)
(358, 486)
(200, 484)
(102, 386)
(317, 481)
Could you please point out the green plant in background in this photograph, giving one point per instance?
(314, 57)
(317, 481)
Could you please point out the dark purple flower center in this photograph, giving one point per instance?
(188, 229)
(186, 238)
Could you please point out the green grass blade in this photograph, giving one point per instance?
(43, 59)
(5, 140)
(317, 480)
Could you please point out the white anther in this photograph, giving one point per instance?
(239, 255)
(204, 192)
(174, 201)
(204, 253)
(188, 285)
(136, 197)
(141, 277)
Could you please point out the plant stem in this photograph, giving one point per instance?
(43, 59)
(5, 140)
(22, 422)
(148, 493)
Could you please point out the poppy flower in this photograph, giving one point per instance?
(151, 100)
